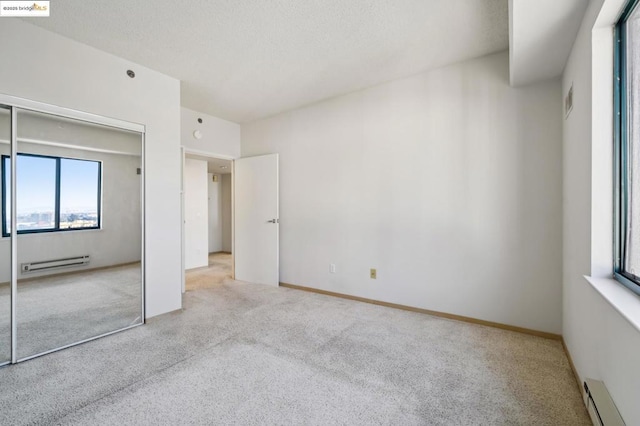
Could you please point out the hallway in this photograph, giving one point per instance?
(220, 269)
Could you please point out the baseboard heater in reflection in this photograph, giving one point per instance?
(602, 410)
(55, 264)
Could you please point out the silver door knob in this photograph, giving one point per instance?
(272, 221)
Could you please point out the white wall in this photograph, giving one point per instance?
(225, 200)
(47, 67)
(220, 138)
(215, 214)
(603, 344)
(196, 221)
(447, 182)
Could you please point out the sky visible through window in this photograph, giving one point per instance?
(36, 181)
(36, 177)
(78, 186)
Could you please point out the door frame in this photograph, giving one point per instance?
(16, 104)
(184, 151)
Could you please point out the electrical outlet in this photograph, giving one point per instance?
(373, 273)
(332, 268)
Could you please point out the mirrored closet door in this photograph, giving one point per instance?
(5, 242)
(78, 229)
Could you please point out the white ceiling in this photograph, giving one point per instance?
(247, 59)
(541, 34)
(216, 166)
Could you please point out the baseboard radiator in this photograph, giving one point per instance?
(47, 265)
(602, 410)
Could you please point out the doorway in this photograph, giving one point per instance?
(252, 185)
(208, 224)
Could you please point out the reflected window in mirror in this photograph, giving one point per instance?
(54, 194)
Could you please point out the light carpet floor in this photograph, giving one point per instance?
(242, 353)
(219, 270)
(59, 310)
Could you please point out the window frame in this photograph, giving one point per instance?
(620, 146)
(56, 212)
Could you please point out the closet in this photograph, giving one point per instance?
(72, 219)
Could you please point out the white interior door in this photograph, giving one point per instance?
(256, 219)
(196, 212)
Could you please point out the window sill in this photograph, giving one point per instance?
(54, 233)
(622, 299)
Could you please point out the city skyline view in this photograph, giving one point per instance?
(38, 187)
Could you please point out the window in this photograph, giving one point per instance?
(53, 194)
(627, 148)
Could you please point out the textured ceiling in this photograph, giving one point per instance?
(246, 59)
(214, 165)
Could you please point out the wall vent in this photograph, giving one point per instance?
(55, 264)
(602, 410)
(568, 102)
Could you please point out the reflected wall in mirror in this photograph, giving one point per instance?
(5, 243)
(78, 230)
